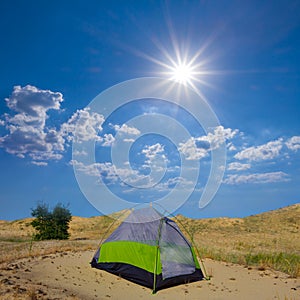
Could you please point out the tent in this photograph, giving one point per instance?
(149, 249)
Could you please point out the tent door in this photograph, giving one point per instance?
(175, 252)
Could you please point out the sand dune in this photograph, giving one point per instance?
(68, 275)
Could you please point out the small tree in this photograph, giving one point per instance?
(51, 225)
(61, 218)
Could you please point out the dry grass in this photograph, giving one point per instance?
(270, 239)
(16, 237)
(10, 251)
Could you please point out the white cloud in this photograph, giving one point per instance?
(236, 166)
(45, 156)
(54, 138)
(40, 163)
(258, 178)
(172, 182)
(152, 151)
(32, 101)
(219, 136)
(231, 147)
(128, 140)
(156, 159)
(80, 153)
(263, 152)
(293, 143)
(126, 129)
(108, 140)
(198, 148)
(83, 126)
(27, 134)
(94, 169)
(111, 173)
(191, 151)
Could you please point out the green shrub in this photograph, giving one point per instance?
(51, 224)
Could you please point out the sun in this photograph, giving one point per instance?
(182, 73)
(184, 69)
(178, 64)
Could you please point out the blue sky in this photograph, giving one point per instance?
(57, 56)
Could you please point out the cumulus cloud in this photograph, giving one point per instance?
(156, 158)
(172, 182)
(126, 132)
(126, 176)
(27, 134)
(32, 101)
(236, 166)
(152, 151)
(267, 151)
(108, 140)
(293, 143)
(126, 129)
(83, 125)
(198, 148)
(191, 151)
(128, 140)
(94, 169)
(79, 153)
(257, 178)
(111, 173)
(219, 136)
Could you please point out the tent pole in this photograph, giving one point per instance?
(156, 256)
(206, 277)
(203, 269)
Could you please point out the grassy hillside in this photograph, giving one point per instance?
(270, 239)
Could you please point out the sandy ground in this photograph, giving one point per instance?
(69, 276)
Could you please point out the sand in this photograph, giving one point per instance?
(69, 276)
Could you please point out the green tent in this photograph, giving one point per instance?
(149, 249)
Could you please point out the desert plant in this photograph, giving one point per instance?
(51, 224)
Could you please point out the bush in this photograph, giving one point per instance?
(51, 225)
